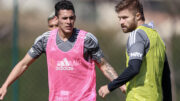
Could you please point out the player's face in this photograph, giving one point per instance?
(53, 24)
(127, 20)
(66, 20)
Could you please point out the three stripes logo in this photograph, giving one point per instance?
(64, 65)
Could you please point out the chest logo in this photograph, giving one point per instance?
(66, 64)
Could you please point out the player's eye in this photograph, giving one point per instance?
(51, 26)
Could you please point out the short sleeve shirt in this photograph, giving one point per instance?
(91, 45)
(138, 44)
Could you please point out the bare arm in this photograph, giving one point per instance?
(92, 46)
(109, 72)
(107, 69)
(17, 71)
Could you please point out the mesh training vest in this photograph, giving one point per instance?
(70, 76)
(147, 85)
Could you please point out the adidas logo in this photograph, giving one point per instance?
(64, 65)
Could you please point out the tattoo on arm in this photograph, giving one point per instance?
(108, 70)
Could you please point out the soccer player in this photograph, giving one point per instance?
(52, 21)
(71, 56)
(147, 74)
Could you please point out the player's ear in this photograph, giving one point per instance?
(55, 17)
(138, 16)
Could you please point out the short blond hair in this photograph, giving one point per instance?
(51, 16)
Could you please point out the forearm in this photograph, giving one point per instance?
(108, 70)
(18, 70)
(132, 70)
(166, 82)
(111, 74)
(15, 73)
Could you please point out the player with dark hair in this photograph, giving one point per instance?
(71, 56)
(147, 75)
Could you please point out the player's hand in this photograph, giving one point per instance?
(2, 92)
(123, 88)
(103, 91)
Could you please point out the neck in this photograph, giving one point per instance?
(63, 35)
(140, 23)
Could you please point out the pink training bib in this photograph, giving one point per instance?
(70, 76)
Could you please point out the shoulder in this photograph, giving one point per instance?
(138, 35)
(141, 31)
(141, 34)
(43, 36)
(90, 38)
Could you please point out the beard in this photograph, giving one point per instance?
(132, 26)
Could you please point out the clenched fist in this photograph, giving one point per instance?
(3, 91)
(103, 91)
